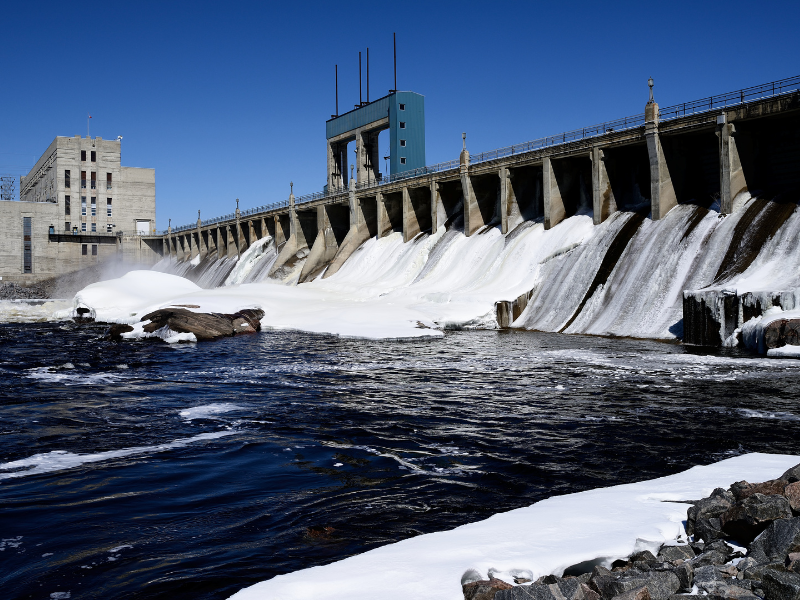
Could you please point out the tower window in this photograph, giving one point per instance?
(402, 106)
(66, 226)
(108, 207)
(66, 205)
(402, 160)
(94, 249)
(84, 247)
(83, 205)
(94, 207)
(66, 178)
(94, 156)
(27, 245)
(402, 143)
(83, 155)
(94, 227)
(402, 124)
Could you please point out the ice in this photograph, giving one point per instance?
(546, 537)
(31, 311)
(787, 351)
(59, 460)
(208, 411)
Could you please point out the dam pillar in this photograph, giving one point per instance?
(222, 243)
(508, 201)
(731, 174)
(554, 211)
(472, 215)
(239, 231)
(383, 217)
(434, 187)
(662, 191)
(603, 202)
(410, 224)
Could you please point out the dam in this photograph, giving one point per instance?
(701, 155)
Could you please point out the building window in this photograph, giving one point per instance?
(108, 207)
(27, 245)
(83, 155)
(402, 106)
(402, 160)
(108, 181)
(402, 143)
(66, 226)
(84, 247)
(109, 228)
(94, 156)
(94, 181)
(94, 207)
(402, 124)
(66, 205)
(94, 249)
(83, 227)
(66, 178)
(83, 206)
(94, 227)
(83, 179)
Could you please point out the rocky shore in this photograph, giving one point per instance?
(742, 543)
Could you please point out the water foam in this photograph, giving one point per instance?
(60, 460)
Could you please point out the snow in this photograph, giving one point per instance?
(787, 351)
(753, 331)
(546, 537)
(30, 311)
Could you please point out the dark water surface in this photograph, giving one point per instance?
(307, 449)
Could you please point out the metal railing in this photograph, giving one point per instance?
(704, 105)
(743, 96)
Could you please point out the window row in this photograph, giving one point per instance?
(93, 155)
(92, 206)
(92, 180)
(69, 228)
(85, 249)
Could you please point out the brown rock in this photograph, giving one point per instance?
(792, 493)
(115, 331)
(484, 590)
(589, 593)
(792, 474)
(743, 490)
(641, 593)
(780, 332)
(204, 326)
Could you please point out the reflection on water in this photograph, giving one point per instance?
(140, 470)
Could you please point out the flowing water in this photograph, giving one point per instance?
(142, 470)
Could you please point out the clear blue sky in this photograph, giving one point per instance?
(229, 99)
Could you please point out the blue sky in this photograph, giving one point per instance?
(229, 100)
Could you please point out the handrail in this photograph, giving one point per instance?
(704, 105)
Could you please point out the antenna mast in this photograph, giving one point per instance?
(336, 72)
(359, 79)
(394, 35)
(367, 74)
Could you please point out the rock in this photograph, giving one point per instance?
(672, 553)
(731, 592)
(548, 579)
(644, 556)
(660, 584)
(115, 331)
(779, 585)
(599, 571)
(484, 589)
(565, 589)
(708, 508)
(743, 490)
(746, 563)
(685, 575)
(638, 594)
(793, 562)
(744, 521)
(589, 593)
(204, 326)
(708, 529)
(792, 493)
(707, 578)
(781, 332)
(776, 541)
(791, 475)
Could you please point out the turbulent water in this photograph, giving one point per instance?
(142, 470)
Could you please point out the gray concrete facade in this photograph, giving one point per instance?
(83, 207)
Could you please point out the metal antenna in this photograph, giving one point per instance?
(359, 79)
(367, 74)
(336, 71)
(395, 61)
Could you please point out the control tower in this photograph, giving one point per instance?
(402, 113)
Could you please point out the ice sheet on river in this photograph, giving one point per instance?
(546, 537)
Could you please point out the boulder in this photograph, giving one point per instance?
(484, 589)
(780, 585)
(204, 326)
(781, 332)
(566, 589)
(660, 584)
(638, 594)
(791, 475)
(708, 529)
(793, 562)
(115, 331)
(708, 508)
(743, 490)
(776, 542)
(792, 493)
(673, 553)
(707, 578)
(744, 521)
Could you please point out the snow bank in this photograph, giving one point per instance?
(543, 538)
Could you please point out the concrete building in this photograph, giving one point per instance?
(78, 206)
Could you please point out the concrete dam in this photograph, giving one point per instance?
(680, 222)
